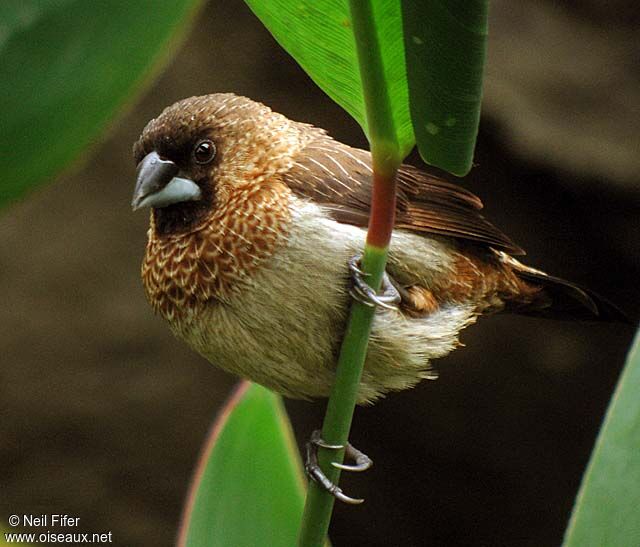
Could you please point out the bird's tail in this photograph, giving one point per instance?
(560, 299)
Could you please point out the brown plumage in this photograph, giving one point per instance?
(254, 217)
(339, 177)
(187, 269)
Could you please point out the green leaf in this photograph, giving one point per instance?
(249, 487)
(435, 89)
(607, 509)
(66, 67)
(318, 34)
(445, 43)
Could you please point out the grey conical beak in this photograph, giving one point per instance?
(158, 186)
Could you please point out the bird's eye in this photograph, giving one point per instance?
(204, 152)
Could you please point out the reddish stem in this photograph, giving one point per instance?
(383, 210)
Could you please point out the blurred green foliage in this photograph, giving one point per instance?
(249, 489)
(607, 509)
(66, 68)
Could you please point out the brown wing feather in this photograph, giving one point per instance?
(338, 177)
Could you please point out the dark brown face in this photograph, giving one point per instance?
(176, 156)
(200, 151)
(189, 144)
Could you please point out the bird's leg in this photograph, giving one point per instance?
(363, 293)
(362, 463)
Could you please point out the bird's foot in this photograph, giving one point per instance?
(362, 463)
(389, 297)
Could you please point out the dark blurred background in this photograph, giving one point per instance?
(104, 412)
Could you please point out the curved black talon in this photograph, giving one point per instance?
(355, 268)
(363, 462)
(364, 294)
(316, 439)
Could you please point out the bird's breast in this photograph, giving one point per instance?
(181, 273)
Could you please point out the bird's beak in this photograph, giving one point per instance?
(158, 186)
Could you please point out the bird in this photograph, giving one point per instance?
(255, 222)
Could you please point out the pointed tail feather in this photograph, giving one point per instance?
(561, 299)
(568, 301)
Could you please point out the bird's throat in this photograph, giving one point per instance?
(187, 265)
(183, 217)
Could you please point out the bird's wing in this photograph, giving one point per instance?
(338, 177)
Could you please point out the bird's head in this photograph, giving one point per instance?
(200, 151)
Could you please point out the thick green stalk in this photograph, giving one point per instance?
(386, 160)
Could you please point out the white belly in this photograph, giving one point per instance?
(283, 330)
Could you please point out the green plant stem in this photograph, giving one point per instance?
(386, 160)
(383, 138)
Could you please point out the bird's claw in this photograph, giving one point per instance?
(364, 294)
(362, 463)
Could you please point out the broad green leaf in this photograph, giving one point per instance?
(249, 487)
(66, 67)
(607, 509)
(445, 43)
(435, 88)
(318, 34)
